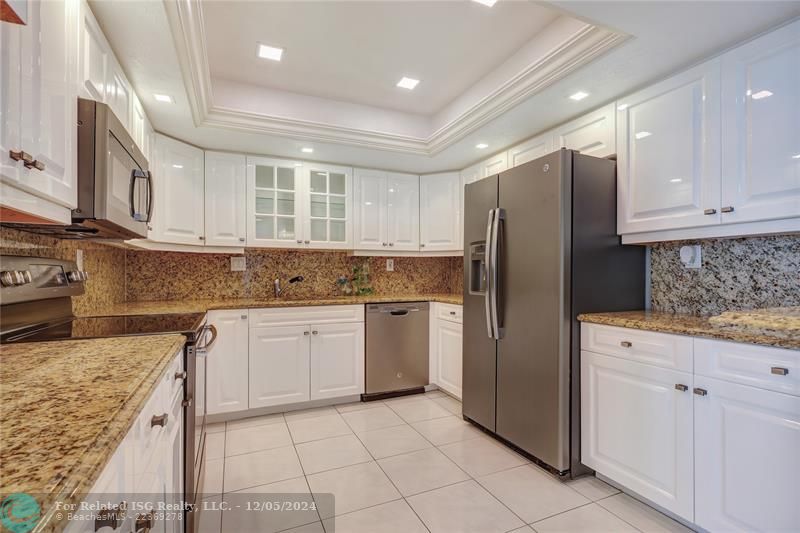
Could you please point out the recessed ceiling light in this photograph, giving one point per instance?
(796, 156)
(675, 180)
(298, 164)
(407, 83)
(307, 150)
(481, 146)
(622, 107)
(269, 52)
(642, 134)
(580, 95)
(761, 94)
(163, 98)
(177, 166)
(488, 3)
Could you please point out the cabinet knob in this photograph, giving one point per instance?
(180, 374)
(243, 317)
(700, 392)
(307, 242)
(391, 244)
(681, 387)
(710, 212)
(306, 333)
(384, 244)
(19, 155)
(159, 420)
(299, 241)
(422, 245)
(315, 332)
(241, 239)
(727, 209)
(201, 238)
(779, 371)
(111, 517)
(35, 164)
(626, 344)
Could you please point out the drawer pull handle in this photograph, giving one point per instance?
(315, 332)
(144, 523)
(112, 517)
(700, 392)
(710, 212)
(727, 209)
(626, 344)
(306, 333)
(681, 387)
(159, 420)
(779, 371)
(181, 374)
(453, 313)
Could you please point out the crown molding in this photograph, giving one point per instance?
(186, 22)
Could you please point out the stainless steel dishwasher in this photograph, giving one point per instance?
(397, 349)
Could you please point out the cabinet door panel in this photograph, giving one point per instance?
(402, 197)
(370, 210)
(592, 134)
(328, 204)
(530, 150)
(279, 366)
(746, 458)
(668, 154)
(761, 139)
(10, 101)
(636, 428)
(274, 203)
(227, 363)
(118, 92)
(471, 174)
(179, 182)
(440, 212)
(94, 57)
(494, 165)
(448, 347)
(225, 199)
(337, 360)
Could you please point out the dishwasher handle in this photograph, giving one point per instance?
(400, 312)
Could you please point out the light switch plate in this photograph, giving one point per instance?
(238, 263)
(79, 258)
(390, 265)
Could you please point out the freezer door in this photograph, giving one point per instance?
(533, 353)
(479, 348)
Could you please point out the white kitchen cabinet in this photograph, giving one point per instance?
(531, 149)
(179, 198)
(386, 211)
(119, 93)
(440, 212)
(94, 57)
(746, 458)
(225, 198)
(761, 133)
(448, 346)
(274, 204)
(493, 165)
(592, 134)
(328, 203)
(279, 365)
(137, 124)
(337, 360)
(668, 153)
(636, 428)
(37, 109)
(471, 174)
(227, 363)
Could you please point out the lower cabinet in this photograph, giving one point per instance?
(445, 349)
(279, 365)
(747, 458)
(227, 362)
(637, 428)
(337, 360)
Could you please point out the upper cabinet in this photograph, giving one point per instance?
(493, 165)
(761, 133)
(328, 204)
(530, 150)
(225, 195)
(38, 111)
(386, 211)
(274, 204)
(592, 134)
(179, 188)
(471, 174)
(440, 212)
(668, 153)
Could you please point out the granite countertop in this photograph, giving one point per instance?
(776, 327)
(201, 306)
(64, 408)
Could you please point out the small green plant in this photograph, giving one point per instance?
(360, 279)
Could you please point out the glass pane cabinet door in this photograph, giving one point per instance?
(329, 206)
(274, 218)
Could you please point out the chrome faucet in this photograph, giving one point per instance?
(277, 285)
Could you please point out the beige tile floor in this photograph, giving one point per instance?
(403, 465)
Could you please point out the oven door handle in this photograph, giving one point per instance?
(202, 350)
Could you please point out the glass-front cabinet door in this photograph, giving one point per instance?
(274, 192)
(328, 205)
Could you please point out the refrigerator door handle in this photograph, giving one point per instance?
(499, 216)
(487, 292)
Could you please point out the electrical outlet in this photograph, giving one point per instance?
(79, 259)
(691, 256)
(390, 265)
(238, 263)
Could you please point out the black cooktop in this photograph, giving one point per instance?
(188, 324)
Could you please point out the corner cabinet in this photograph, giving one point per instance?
(441, 212)
(225, 194)
(386, 211)
(592, 134)
(179, 187)
(668, 153)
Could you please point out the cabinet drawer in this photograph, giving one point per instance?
(774, 369)
(659, 349)
(300, 316)
(450, 312)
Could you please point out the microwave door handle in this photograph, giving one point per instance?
(488, 262)
(149, 196)
(136, 174)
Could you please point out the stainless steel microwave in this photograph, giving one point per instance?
(115, 187)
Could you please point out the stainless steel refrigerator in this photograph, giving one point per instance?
(540, 247)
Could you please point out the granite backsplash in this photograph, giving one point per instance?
(736, 274)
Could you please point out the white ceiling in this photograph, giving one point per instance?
(356, 51)
(666, 36)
